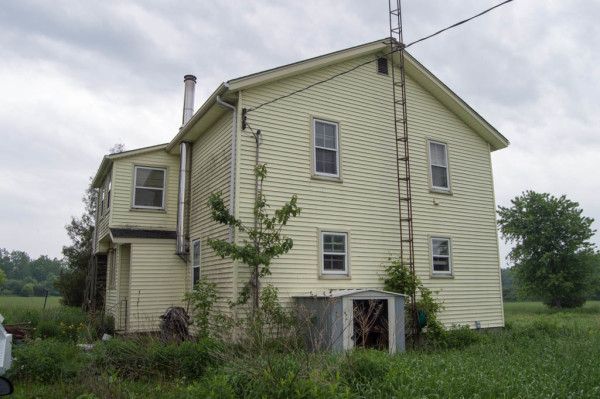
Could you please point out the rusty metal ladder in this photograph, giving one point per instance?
(405, 208)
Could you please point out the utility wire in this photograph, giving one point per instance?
(386, 54)
(458, 23)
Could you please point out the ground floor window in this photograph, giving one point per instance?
(334, 250)
(441, 261)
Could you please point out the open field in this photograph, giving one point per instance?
(32, 302)
(540, 354)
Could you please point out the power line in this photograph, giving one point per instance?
(370, 61)
(459, 23)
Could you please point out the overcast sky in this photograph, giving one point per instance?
(76, 77)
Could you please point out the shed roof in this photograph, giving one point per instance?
(346, 292)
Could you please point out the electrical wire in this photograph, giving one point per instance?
(458, 23)
(370, 61)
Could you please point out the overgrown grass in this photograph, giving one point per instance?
(540, 354)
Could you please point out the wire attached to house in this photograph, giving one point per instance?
(370, 61)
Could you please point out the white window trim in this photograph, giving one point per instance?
(447, 166)
(337, 148)
(344, 272)
(135, 186)
(198, 266)
(449, 256)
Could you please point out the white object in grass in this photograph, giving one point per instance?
(5, 348)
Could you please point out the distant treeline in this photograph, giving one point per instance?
(511, 291)
(26, 276)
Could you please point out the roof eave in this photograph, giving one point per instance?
(304, 66)
(208, 104)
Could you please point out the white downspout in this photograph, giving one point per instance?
(233, 110)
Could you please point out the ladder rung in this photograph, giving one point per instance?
(402, 139)
(403, 159)
(407, 240)
(404, 198)
(405, 219)
(397, 29)
(399, 120)
(401, 102)
(395, 12)
(407, 178)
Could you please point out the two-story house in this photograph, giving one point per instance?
(334, 146)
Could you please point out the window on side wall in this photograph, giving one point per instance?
(441, 262)
(108, 192)
(326, 148)
(334, 250)
(438, 161)
(195, 262)
(149, 190)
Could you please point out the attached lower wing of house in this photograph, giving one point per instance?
(334, 146)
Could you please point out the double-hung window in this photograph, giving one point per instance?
(438, 160)
(441, 262)
(326, 148)
(334, 249)
(149, 190)
(195, 262)
(108, 192)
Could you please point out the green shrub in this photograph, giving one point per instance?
(136, 358)
(47, 329)
(461, 337)
(47, 361)
(216, 386)
(295, 375)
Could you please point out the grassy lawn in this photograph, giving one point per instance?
(11, 302)
(540, 354)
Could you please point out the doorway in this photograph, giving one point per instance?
(371, 324)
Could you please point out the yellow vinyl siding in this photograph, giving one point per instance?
(365, 202)
(124, 271)
(211, 160)
(122, 213)
(157, 281)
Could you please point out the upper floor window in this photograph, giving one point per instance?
(149, 188)
(326, 148)
(438, 160)
(334, 249)
(108, 192)
(195, 262)
(440, 256)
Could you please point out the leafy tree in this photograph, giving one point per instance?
(552, 255)
(2, 277)
(71, 282)
(263, 240)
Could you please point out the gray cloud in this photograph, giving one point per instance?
(77, 77)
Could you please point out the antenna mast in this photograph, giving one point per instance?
(407, 249)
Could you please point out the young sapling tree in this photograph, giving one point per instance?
(263, 240)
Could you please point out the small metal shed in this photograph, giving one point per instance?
(339, 320)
